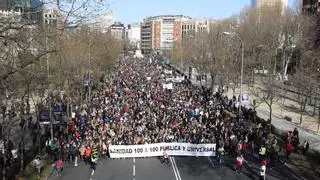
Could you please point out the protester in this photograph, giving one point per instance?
(289, 149)
(94, 159)
(305, 147)
(281, 155)
(38, 164)
(239, 162)
(165, 159)
(262, 152)
(59, 166)
(54, 169)
(263, 169)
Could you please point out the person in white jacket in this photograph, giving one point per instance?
(263, 169)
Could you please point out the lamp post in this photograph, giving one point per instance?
(242, 57)
(181, 48)
(89, 69)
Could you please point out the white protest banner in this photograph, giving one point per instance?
(178, 79)
(245, 98)
(169, 79)
(73, 115)
(167, 86)
(167, 71)
(157, 149)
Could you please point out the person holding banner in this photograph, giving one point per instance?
(165, 159)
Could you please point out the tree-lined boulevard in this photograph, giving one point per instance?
(69, 92)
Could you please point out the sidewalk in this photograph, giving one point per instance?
(281, 125)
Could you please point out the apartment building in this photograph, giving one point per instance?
(310, 7)
(52, 18)
(146, 37)
(192, 27)
(31, 9)
(118, 30)
(134, 32)
(261, 4)
(159, 32)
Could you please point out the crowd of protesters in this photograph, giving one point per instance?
(132, 107)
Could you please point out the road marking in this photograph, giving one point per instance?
(176, 168)
(178, 173)
(211, 162)
(134, 168)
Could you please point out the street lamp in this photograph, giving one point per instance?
(233, 34)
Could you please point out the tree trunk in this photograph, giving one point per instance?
(301, 114)
(22, 153)
(233, 90)
(3, 151)
(4, 164)
(315, 105)
(253, 79)
(22, 138)
(270, 116)
(318, 119)
(38, 130)
(212, 81)
(303, 107)
(287, 63)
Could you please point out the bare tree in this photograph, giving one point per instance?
(26, 44)
(260, 32)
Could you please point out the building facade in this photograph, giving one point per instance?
(134, 32)
(4, 5)
(310, 7)
(118, 30)
(260, 4)
(160, 32)
(52, 18)
(192, 27)
(146, 37)
(31, 9)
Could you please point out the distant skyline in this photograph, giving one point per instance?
(131, 11)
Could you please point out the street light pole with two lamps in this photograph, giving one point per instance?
(242, 57)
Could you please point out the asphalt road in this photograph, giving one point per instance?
(180, 168)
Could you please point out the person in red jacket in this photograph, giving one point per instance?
(87, 155)
(289, 148)
(239, 162)
(60, 165)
